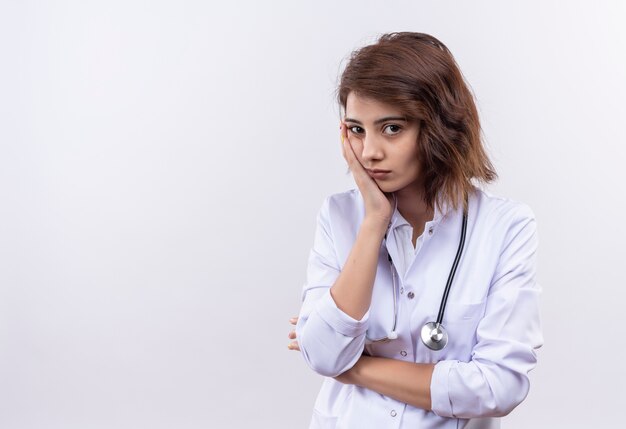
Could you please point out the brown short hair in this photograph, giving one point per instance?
(418, 74)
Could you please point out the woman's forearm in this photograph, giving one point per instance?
(407, 382)
(352, 291)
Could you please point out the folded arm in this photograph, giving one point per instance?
(403, 381)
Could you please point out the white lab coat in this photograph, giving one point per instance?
(492, 315)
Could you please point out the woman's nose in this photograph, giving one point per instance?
(372, 148)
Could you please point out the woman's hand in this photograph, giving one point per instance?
(378, 204)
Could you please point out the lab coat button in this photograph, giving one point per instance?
(393, 413)
(403, 352)
(430, 230)
(411, 295)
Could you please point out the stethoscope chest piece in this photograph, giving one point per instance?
(434, 336)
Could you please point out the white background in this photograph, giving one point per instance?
(162, 163)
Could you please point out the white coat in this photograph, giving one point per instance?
(492, 315)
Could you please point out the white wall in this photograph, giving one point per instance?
(161, 165)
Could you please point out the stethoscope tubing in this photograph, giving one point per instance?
(459, 252)
(395, 293)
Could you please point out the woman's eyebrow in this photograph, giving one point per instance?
(378, 121)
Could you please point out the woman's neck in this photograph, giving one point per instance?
(412, 207)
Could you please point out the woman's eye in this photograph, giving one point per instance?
(394, 128)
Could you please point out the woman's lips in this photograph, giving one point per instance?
(378, 174)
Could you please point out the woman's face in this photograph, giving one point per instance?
(383, 140)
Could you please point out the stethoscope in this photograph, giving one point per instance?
(433, 334)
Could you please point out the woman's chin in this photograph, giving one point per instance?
(385, 186)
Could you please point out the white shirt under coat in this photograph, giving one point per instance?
(492, 314)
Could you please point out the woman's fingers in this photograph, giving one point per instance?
(341, 134)
(348, 152)
(292, 335)
(362, 179)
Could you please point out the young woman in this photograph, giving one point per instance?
(421, 301)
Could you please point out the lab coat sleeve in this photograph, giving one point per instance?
(495, 380)
(330, 340)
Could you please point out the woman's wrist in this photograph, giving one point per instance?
(351, 376)
(356, 372)
(375, 226)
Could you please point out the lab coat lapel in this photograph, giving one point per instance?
(435, 224)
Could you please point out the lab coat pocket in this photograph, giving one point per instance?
(461, 321)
